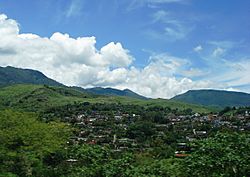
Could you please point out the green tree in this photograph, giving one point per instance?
(25, 142)
(141, 130)
(226, 154)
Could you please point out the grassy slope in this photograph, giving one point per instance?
(39, 97)
(153, 102)
(34, 97)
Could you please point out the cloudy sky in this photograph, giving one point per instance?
(157, 48)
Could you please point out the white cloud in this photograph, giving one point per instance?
(169, 34)
(76, 61)
(198, 48)
(218, 52)
(58, 53)
(160, 15)
(172, 29)
(158, 80)
(74, 8)
(8, 26)
(134, 4)
(224, 44)
(116, 55)
(175, 34)
(193, 72)
(237, 72)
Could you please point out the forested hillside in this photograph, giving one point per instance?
(10, 75)
(217, 98)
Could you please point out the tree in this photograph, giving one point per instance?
(141, 130)
(25, 142)
(225, 154)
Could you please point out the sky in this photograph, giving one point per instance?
(157, 48)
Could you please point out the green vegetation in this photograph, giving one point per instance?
(41, 97)
(25, 143)
(37, 97)
(214, 98)
(63, 132)
(225, 154)
(114, 92)
(29, 147)
(10, 75)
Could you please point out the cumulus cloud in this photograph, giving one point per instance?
(8, 27)
(158, 80)
(198, 48)
(77, 61)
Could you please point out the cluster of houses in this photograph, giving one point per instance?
(110, 131)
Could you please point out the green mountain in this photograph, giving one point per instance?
(30, 89)
(38, 97)
(114, 92)
(41, 97)
(10, 75)
(216, 98)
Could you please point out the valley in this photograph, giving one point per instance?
(104, 132)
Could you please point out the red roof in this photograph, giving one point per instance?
(182, 155)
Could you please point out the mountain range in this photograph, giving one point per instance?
(217, 98)
(11, 75)
(114, 92)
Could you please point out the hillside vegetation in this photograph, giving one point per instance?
(114, 92)
(37, 97)
(40, 97)
(10, 75)
(214, 98)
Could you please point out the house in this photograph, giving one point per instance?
(118, 117)
(71, 160)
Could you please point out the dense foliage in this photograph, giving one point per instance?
(57, 138)
(25, 143)
(40, 97)
(10, 75)
(225, 154)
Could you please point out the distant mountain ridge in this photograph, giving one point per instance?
(11, 75)
(114, 92)
(217, 98)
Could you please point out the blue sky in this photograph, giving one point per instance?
(204, 41)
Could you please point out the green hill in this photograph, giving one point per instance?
(114, 92)
(32, 90)
(217, 98)
(37, 97)
(41, 97)
(10, 75)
